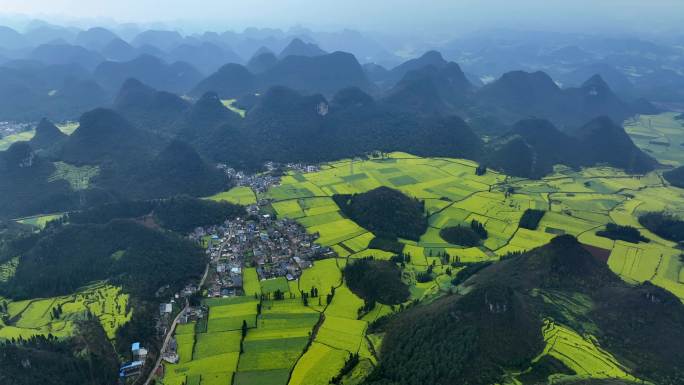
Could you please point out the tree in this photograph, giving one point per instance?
(244, 329)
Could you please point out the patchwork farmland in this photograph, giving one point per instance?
(308, 342)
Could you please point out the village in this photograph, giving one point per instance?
(261, 182)
(11, 128)
(275, 247)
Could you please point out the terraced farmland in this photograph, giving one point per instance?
(35, 316)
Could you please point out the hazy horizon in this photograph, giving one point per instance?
(441, 17)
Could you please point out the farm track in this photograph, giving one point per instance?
(172, 328)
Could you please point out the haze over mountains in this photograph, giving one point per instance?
(184, 205)
(158, 100)
(67, 71)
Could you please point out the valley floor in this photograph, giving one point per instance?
(289, 342)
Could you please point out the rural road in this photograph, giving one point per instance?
(169, 333)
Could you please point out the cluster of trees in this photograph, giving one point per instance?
(376, 281)
(51, 361)
(311, 294)
(349, 364)
(622, 233)
(391, 245)
(139, 258)
(465, 236)
(664, 225)
(468, 271)
(181, 214)
(531, 218)
(386, 212)
(458, 340)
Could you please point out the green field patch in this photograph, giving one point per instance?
(344, 304)
(188, 328)
(242, 195)
(271, 354)
(230, 323)
(276, 331)
(211, 344)
(320, 219)
(288, 209)
(228, 301)
(402, 180)
(342, 333)
(8, 268)
(77, 177)
(360, 242)
(274, 284)
(581, 354)
(354, 177)
(323, 275)
(221, 363)
(185, 345)
(335, 232)
(216, 379)
(262, 377)
(375, 253)
(250, 282)
(318, 365)
(637, 264)
(285, 321)
(284, 192)
(7, 141)
(35, 317)
(649, 132)
(232, 310)
(39, 221)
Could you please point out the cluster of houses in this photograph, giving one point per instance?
(11, 128)
(133, 368)
(276, 247)
(261, 182)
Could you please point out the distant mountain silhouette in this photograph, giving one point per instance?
(95, 38)
(319, 74)
(324, 73)
(297, 47)
(66, 54)
(148, 108)
(262, 62)
(430, 58)
(118, 50)
(285, 125)
(24, 184)
(607, 142)
(11, 39)
(230, 81)
(164, 40)
(431, 90)
(30, 91)
(521, 94)
(206, 57)
(206, 115)
(177, 77)
(534, 146)
(178, 169)
(47, 135)
(105, 137)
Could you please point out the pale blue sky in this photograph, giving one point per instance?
(381, 15)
